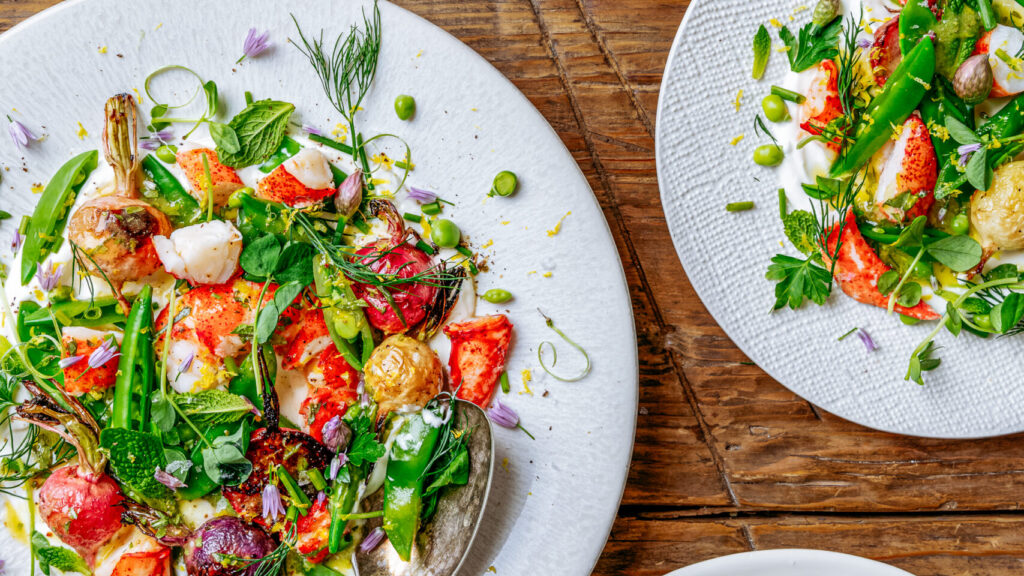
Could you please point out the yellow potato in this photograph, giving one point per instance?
(997, 214)
(403, 372)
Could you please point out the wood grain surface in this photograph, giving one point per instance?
(726, 459)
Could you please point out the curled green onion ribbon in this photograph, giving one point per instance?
(554, 353)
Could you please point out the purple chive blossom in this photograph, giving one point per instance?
(149, 144)
(49, 276)
(332, 434)
(272, 506)
(21, 135)
(422, 196)
(864, 43)
(69, 361)
(866, 339)
(255, 44)
(16, 242)
(186, 365)
(312, 130)
(965, 152)
(350, 194)
(105, 353)
(336, 464)
(167, 479)
(503, 415)
(372, 540)
(321, 497)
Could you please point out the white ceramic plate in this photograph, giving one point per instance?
(789, 563)
(975, 393)
(553, 499)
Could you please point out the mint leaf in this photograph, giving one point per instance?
(260, 128)
(211, 407)
(134, 456)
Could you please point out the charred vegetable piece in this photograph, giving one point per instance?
(214, 544)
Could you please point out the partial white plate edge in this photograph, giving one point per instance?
(756, 562)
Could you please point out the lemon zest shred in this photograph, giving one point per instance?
(558, 225)
(737, 140)
(82, 132)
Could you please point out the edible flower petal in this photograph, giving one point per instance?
(372, 540)
(16, 242)
(255, 44)
(20, 133)
(336, 465)
(965, 152)
(186, 365)
(308, 129)
(105, 353)
(422, 196)
(866, 339)
(502, 415)
(167, 479)
(272, 505)
(69, 361)
(49, 276)
(335, 434)
(149, 144)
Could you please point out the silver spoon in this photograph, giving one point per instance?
(443, 543)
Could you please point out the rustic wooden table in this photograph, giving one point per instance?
(726, 459)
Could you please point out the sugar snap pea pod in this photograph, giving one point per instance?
(346, 322)
(96, 312)
(403, 484)
(1009, 121)
(135, 369)
(940, 102)
(259, 217)
(902, 93)
(244, 384)
(171, 198)
(915, 20)
(45, 231)
(289, 148)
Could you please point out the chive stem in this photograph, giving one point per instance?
(425, 247)
(852, 330)
(788, 94)
(412, 217)
(739, 206)
(331, 143)
(505, 386)
(782, 203)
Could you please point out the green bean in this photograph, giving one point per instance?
(331, 143)
(788, 94)
(739, 206)
(782, 203)
(497, 296)
(45, 231)
(505, 387)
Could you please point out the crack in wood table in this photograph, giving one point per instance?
(726, 459)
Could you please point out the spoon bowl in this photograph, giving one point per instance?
(444, 541)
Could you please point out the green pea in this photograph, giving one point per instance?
(505, 184)
(235, 200)
(432, 209)
(768, 155)
(497, 296)
(908, 320)
(983, 321)
(167, 153)
(775, 108)
(445, 233)
(961, 224)
(922, 270)
(405, 106)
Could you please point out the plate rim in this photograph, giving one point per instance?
(780, 555)
(625, 466)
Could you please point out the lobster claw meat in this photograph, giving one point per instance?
(479, 349)
(858, 268)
